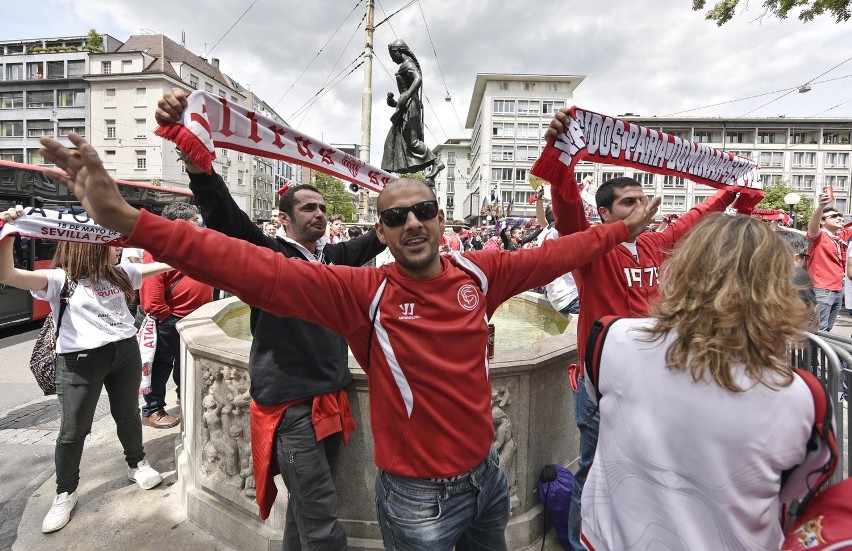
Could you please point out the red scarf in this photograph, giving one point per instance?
(598, 138)
(209, 122)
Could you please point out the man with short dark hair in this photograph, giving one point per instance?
(439, 483)
(169, 297)
(622, 282)
(827, 264)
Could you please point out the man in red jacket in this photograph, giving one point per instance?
(621, 282)
(169, 297)
(439, 483)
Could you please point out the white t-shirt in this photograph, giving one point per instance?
(683, 464)
(562, 291)
(128, 252)
(96, 314)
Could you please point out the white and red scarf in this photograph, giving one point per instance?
(599, 138)
(59, 226)
(209, 122)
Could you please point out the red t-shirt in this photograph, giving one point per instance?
(827, 263)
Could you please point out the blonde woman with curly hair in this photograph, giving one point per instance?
(96, 348)
(700, 412)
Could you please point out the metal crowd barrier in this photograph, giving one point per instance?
(829, 358)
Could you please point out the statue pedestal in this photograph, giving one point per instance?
(532, 408)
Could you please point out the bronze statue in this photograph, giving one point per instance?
(405, 148)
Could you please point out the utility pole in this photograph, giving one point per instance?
(367, 105)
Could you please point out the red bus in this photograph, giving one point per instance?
(27, 185)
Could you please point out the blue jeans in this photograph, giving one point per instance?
(572, 308)
(828, 305)
(470, 513)
(588, 421)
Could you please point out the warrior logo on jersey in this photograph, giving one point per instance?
(468, 297)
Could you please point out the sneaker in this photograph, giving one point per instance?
(60, 512)
(160, 420)
(144, 475)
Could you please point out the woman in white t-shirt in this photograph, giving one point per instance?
(700, 414)
(96, 348)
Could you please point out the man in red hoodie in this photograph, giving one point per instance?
(622, 282)
(169, 297)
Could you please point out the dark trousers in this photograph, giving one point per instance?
(166, 362)
(80, 376)
(305, 464)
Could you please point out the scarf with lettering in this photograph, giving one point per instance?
(209, 122)
(599, 138)
(59, 226)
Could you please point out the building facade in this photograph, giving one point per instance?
(452, 185)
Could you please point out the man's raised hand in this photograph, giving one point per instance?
(86, 177)
(170, 107)
(642, 215)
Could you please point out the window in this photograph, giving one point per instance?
(140, 128)
(674, 181)
(109, 129)
(34, 157)
(503, 85)
(505, 197)
(37, 129)
(523, 197)
(109, 160)
(76, 68)
(734, 137)
(836, 160)
(527, 107)
(840, 205)
(223, 152)
(72, 98)
(451, 157)
(831, 138)
(240, 156)
(241, 178)
(451, 172)
(797, 137)
(141, 160)
(35, 71)
(529, 130)
(222, 93)
(14, 155)
(141, 97)
(769, 179)
(703, 136)
(501, 174)
(11, 100)
(520, 175)
(644, 178)
(746, 154)
(126, 66)
(550, 107)
(504, 106)
(14, 71)
(607, 176)
(582, 175)
(78, 126)
(11, 129)
(503, 129)
(804, 159)
(674, 202)
(451, 187)
(527, 152)
(839, 183)
(225, 175)
(106, 67)
(235, 99)
(193, 82)
(803, 181)
(529, 86)
(552, 87)
(765, 137)
(771, 158)
(55, 69)
(208, 87)
(109, 97)
(698, 199)
(39, 99)
(502, 153)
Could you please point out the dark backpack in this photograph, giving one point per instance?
(555, 485)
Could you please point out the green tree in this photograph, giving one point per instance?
(337, 200)
(94, 42)
(774, 199)
(723, 10)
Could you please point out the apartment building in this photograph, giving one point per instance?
(508, 115)
(452, 185)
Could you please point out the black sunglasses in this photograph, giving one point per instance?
(835, 215)
(396, 216)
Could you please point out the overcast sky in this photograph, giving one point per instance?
(649, 57)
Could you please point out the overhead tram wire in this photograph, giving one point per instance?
(832, 108)
(387, 17)
(317, 54)
(343, 51)
(231, 28)
(326, 89)
(446, 88)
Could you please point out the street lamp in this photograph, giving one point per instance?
(792, 199)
